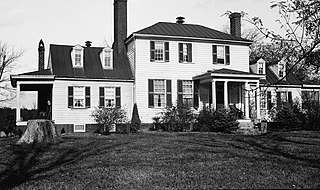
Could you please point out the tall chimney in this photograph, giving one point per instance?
(235, 24)
(41, 56)
(120, 24)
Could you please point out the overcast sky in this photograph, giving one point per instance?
(24, 22)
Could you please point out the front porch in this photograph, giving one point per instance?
(230, 89)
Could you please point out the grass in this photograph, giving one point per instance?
(158, 160)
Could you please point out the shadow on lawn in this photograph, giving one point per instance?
(30, 162)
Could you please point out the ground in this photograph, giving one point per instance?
(159, 160)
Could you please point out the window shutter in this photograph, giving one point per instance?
(214, 54)
(180, 52)
(166, 49)
(196, 94)
(150, 93)
(278, 98)
(227, 55)
(290, 97)
(180, 92)
(118, 97)
(169, 94)
(70, 97)
(152, 47)
(189, 47)
(269, 103)
(101, 97)
(87, 97)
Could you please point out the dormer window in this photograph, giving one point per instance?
(281, 69)
(106, 58)
(77, 56)
(261, 67)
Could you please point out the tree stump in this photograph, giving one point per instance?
(40, 131)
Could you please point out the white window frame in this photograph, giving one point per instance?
(223, 56)
(76, 98)
(163, 100)
(281, 72)
(75, 129)
(261, 67)
(113, 104)
(186, 95)
(103, 57)
(77, 50)
(159, 51)
(263, 100)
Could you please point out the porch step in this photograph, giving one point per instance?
(245, 123)
(247, 127)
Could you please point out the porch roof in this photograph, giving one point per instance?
(42, 75)
(229, 74)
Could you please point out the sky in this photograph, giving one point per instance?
(24, 22)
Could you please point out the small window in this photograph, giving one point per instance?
(110, 97)
(221, 54)
(281, 69)
(260, 68)
(185, 52)
(284, 97)
(78, 97)
(106, 58)
(77, 56)
(79, 128)
(263, 100)
(159, 93)
(159, 51)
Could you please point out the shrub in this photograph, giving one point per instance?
(221, 120)
(175, 119)
(312, 115)
(135, 121)
(106, 117)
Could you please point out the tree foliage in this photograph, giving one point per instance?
(299, 43)
(8, 56)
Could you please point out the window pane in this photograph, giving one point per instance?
(185, 53)
(159, 49)
(78, 58)
(159, 93)
(109, 96)
(78, 97)
(107, 59)
(187, 90)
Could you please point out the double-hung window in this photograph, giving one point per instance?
(263, 100)
(221, 54)
(78, 57)
(78, 97)
(284, 97)
(110, 97)
(159, 51)
(281, 69)
(106, 58)
(185, 92)
(185, 52)
(260, 68)
(159, 93)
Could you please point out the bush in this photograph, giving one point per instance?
(135, 121)
(312, 115)
(221, 120)
(175, 119)
(106, 117)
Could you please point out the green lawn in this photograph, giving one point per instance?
(158, 160)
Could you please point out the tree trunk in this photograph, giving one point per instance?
(40, 131)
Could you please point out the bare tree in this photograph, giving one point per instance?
(8, 57)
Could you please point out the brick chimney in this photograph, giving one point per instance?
(120, 24)
(235, 24)
(41, 56)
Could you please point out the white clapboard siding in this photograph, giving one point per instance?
(61, 114)
(173, 70)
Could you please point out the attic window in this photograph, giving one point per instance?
(281, 69)
(106, 58)
(77, 56)
(261, 67)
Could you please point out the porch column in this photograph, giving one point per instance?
(258, 100)
(226, 94)
(18, 115)
(246, 100)
(214, 101)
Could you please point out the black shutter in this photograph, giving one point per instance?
(180, 92)
(150, 93)
(87, 97)
(169, 94)
(290, 97)
(166, 50)
(118, 97)
(196, 94)
(180, 53)
(227, 55)
(278, 98)
(101, 97)
(214, 54)
(70, 97)
(189, 47)
(269, 103)
(152, 47)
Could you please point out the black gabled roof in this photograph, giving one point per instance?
(188, 30)
(62, 64)
(273, 79)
